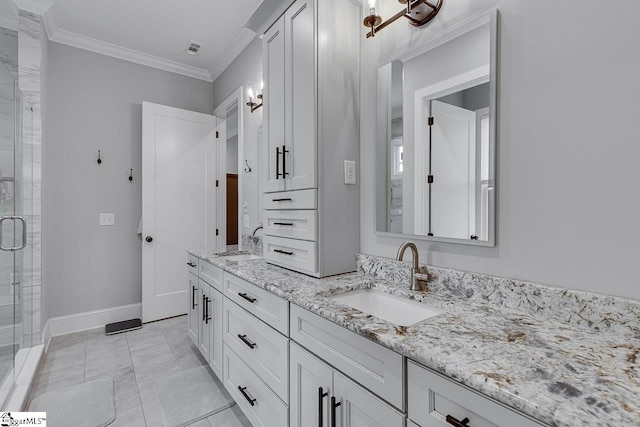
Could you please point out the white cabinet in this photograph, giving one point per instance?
(205, 311)
(273, 103)
(432, 399)
(289, 94)
(204, 338)
(193, 322)
(372, 365)
(311, 119)
(324, 397)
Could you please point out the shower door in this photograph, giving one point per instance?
(16, 183)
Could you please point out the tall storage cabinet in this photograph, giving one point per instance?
(311, 119)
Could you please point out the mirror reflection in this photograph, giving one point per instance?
(436, 141)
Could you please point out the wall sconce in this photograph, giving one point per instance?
(418, 12)
(252, 103)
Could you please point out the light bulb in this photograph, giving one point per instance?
(261, 85)
(250, 94)
(371, 6)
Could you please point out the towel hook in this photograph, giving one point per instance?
(99, 159)
(131, 175)
(247, 169)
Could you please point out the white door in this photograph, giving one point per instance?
(193, 321)
(176, 214)
(205, 321)
(273, 99)
(453, 162)
(357, 407)
(299, 160)
(310, 385)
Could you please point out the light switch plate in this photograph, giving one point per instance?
(107, 219)
(349, 172)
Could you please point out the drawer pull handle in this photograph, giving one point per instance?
(334, 405)
(283, 252)
(455, 422)
(321, 395)
(246, 396)
(207, 318)
(282, 200)
(278, 174)
(204, 307)
(246, 341)
(193, 298)
(190, 264)
(284, 161)
(289, 224)
(247, 297)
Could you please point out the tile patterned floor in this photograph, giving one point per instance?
(135, 360)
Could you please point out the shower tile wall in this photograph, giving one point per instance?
(29, 67)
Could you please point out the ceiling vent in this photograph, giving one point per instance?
(192, 48)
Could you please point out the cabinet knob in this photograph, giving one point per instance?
(149, 239)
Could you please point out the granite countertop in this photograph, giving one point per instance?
(561, 372)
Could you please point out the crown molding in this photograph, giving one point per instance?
(39, 7)
(126, 54)
(239, 43)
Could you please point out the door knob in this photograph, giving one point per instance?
(149, 239)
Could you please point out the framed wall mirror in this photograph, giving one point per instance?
(436, 137)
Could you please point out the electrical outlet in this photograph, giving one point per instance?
(107, 219)
(349, 172)
(245, 221)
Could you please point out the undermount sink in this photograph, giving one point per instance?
(241, 257)
(394, 309)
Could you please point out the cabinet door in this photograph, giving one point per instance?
(310, 380)
(359, 408)
(273, 100)
(192, 318)
(215, 323)
(300, 95)
(205, 323)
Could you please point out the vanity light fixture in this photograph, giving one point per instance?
(418, 12)
(253, 104)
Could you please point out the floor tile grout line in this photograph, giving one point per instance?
(133, 368)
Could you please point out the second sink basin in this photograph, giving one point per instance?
(394, 309)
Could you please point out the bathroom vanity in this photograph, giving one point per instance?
(293, 354)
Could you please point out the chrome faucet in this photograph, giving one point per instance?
(418, 279)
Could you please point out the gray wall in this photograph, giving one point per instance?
(568, 205)
(246, 68)
(94, 103)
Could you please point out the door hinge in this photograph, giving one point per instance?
(430, 179)
(217, 134)
(217, 183)
(217, 232)
(430, 121)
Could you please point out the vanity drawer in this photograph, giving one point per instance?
(302, 199)
(192, 264)
(268, 307)
(260, 346)
(259, 403)
(375, 367)
(297, 224)
(211, 274)
(431, 397)
(300, 255)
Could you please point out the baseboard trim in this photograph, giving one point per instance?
(88, 320)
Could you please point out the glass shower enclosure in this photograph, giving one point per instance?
(16, 255)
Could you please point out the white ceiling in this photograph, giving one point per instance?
(156, 32)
